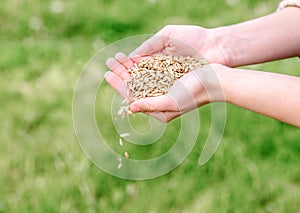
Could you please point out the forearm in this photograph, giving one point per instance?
(268, 38)
(270, 94)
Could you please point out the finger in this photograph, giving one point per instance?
(188, 92)
(118, 68)
(163, 117)
(150, 46)
(135, 58)
(124, 60)
(117, 83)
(162, 103)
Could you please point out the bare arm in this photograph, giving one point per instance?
(270, 94)
(268, 38)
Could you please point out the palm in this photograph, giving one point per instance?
(183, 40)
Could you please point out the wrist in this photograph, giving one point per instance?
(220, 37)
(214, 78)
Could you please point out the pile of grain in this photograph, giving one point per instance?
(155, 75)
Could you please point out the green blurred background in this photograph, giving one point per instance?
(44, 46)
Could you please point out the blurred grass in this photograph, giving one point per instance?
(43, 169)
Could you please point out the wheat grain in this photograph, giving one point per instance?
(120, 163)
(123, 135)
(121, 142)
(126, 155)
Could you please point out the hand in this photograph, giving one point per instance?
(195, 89)
(184, 40)
(118, 74)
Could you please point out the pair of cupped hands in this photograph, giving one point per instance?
(193, 90)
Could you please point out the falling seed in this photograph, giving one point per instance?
(125, 101)
(120, 165)
(123, 135)
(123, 114)
(126, 155)
(121, 142)
(129, 112)
(121, 110)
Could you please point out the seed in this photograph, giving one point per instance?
(155, 94)
(120, 163)
(123, 135)
(120, 110)
(126, 155)
(121, 142)
(129, 112)
(125, 101)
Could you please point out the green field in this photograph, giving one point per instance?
(45, 44)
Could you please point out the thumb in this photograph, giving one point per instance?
(154, 104)
(149, 47)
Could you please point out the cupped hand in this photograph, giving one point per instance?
(195, 89)
(118, 74)
(189, 40)
(119, 66)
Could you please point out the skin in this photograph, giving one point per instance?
(270, 94)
